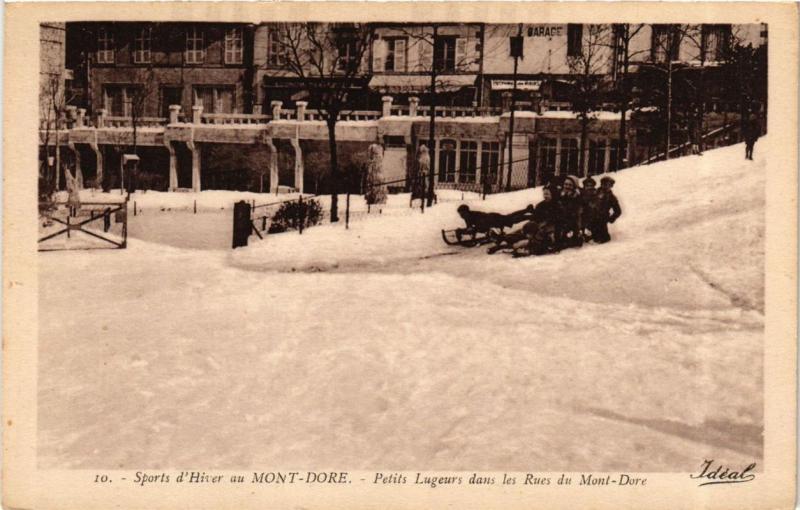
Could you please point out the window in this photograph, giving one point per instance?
(170, 95)
(715, 41)
(395, 55)
(105, 46)
(447, 161)
(574, 40)
(490, 161)
(665, 42)
(597, 156)
(123, 100)
(614, 151)
(141, 45)
(215, 99)
(195, 50)
(233, 46)
(469, 162)
(569, 156)
(547, 158)
(347, 54)
(444, 53)
(276, 51)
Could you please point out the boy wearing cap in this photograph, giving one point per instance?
(608, 210)
(590, 206)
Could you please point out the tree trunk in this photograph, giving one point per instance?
(584, 142)
(432, 127)
(332, 116)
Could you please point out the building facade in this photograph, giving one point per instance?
(181, 89)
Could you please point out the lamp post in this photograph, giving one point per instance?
(515, 50)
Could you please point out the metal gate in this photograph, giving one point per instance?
(105, 224)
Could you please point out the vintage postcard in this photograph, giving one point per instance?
(338, 255)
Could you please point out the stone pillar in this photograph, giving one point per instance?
(299, 169)
(197, 114)
(174, 112)
(195, 148)
(78, 169)
(98, 154)
(273, 165)
(80, 121)
(478, 162)
(72, 115)
(101, 118)
(301, 110)
(413, 104)
(276, 110)
(173, 164)
(387, 105)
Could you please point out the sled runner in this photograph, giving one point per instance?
(465, 237)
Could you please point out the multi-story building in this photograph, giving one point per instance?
(52, 74)
(140, 69)
(247, 77)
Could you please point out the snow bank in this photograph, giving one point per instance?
(639, 355)
(699, 217)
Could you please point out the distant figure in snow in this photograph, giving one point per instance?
(607, 211)
(752, 130)
(423, 167)
(376, 190)
(74, 189)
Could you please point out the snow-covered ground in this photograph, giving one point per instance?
(379, 347)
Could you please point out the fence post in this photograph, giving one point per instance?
(300, 214)
(347, 210)
(241, 223)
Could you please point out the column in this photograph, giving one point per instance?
(273, 165)
(197, 114)
(301, 110)
(478, 159)
(298, 164)
(174, 113)
(607, 155)
(195, 148)
(78, 169)
(98, 154)
(457, 169)
(173, 164)
(413, 105)
(387, 106)
(101, 118)
(80, 121)
(557, 170)
(276, 110)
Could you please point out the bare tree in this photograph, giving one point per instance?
(56, 105)
(623, 54)
(328, 58)
(588, 69)
(440, 57)
(665, 62)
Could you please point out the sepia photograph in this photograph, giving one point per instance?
(436, 253)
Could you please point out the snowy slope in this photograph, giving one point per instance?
(381, 348)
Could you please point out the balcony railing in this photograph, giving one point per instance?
(234, 119)
(127, 122)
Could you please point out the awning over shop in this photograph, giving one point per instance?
(419, 83)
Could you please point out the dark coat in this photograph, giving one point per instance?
(608, 209)
(571, 211)
(752, 130)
